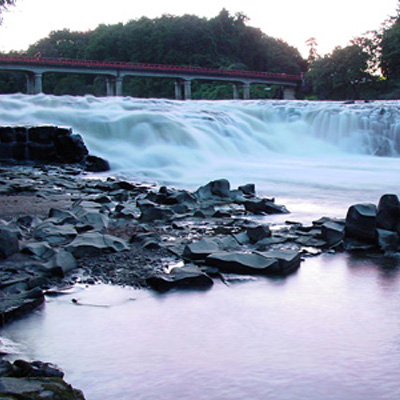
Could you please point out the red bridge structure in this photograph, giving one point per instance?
(115, 71)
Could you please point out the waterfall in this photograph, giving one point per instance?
(188, 142)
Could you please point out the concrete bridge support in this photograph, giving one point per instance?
(246, 91)
(186, 85)
(34, 83)
(289, 93)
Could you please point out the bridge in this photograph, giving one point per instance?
(115, 71)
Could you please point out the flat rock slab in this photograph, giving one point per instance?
(243, 263)
(288, 260)
(187, 277)
(38, 389)
(201, 249)
(95, 243)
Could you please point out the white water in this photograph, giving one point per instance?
(316, 157)
(330, 331)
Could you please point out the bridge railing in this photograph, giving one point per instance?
(38, 60)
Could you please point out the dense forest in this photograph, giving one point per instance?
(369, 67)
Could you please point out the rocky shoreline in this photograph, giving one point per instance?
(60, 226)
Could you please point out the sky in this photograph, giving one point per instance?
(332, 23)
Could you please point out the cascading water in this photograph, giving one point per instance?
(289, 149)
(330, 331)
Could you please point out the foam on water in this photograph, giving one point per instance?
(290, 149)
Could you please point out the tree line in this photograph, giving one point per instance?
(226, 42)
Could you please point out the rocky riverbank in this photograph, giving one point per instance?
(60, 226)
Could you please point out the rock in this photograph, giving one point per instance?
(217, 190)
(35, 369)
(256, 233)
(92, 221)
(201, 249)
(388, 240)
(332, 232)
(243, 263)
(96, 164)
(55, 235)
(148, 240)
(249, 189)
(38, 249)
(61, 263)
(151, 212)
(71, 148)
(288, 260)
(388, 212)
(13, 306)
(264, 206)
(186, 277)
(361, 222)
(94, 243)
(38, 389)
(9, 243)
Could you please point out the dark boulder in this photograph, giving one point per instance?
(332, 232)
(201, 249)
(388, 241)
(264, 206)
(96, 164)
(388, 213)
(243, 263)
(256, 233)
(186, 277)
(217, 190)
(361, 222)
(9, 243)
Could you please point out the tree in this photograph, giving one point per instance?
(339, 75)
(313, 52)
(4, 5)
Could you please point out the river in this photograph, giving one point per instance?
(331, 330)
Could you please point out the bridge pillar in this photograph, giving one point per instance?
(246, 91)
(187, 89)
(38, 87)
(118, 86)
(109, 87)
(30, 84)
(289, 93)
(178, 90)
(235, 91)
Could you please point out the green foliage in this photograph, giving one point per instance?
(224, 41)
(339, 75)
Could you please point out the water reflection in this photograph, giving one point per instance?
(327, 332)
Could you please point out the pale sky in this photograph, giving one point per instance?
(332, 23)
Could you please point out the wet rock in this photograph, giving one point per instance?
(256, 233)
(149, 240)
(92, 221)
(35, 369)
(13, 306)
(361, 222)
(217, 190)
(61, 263)
(264, 206)
(388, 213)
(186, 277)
(55, 235)
(243, 263)
(9, 243)
(249, 189)
(94, 243)
(96, 164)
(388, 241)
(40, 250)
(201, 249)
(332, 232)
(288, 260)
(38, 389)
(151, 212)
